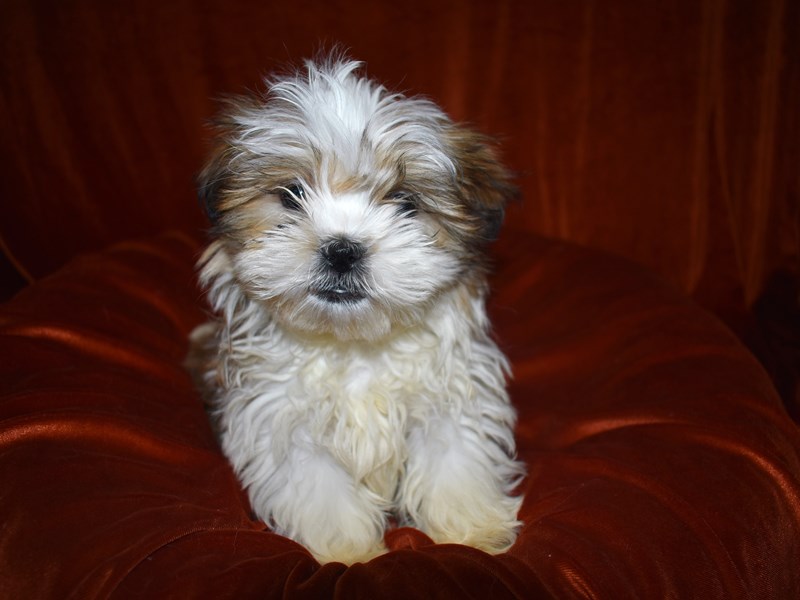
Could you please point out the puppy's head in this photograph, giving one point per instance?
(346, 209)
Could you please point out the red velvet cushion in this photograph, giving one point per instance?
(660, 461)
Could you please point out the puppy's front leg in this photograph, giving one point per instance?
(318, 504)
(458, 484)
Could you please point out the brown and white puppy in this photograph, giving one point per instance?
(349, 369)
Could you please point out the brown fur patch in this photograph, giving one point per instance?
(484, 184)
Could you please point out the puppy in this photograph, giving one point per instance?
(349, 370)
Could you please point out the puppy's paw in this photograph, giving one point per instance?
(465, 500)
(322, 508)
(346, 537)
(346, 551)
(330, 536)
(484, 521)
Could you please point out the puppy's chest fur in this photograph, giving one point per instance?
(356, 401)
(361, 405)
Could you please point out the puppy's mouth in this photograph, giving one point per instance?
(339, 295)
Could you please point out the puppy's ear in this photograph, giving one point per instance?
(215, 180)
(211, 181)
(484, 183)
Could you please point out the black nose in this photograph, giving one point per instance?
(342, 254)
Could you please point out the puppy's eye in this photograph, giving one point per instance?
(405, 202)
(291, 196)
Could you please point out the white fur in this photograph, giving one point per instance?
(337, 415)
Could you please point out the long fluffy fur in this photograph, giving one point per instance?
(341, 398)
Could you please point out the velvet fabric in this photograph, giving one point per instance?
(660, 461)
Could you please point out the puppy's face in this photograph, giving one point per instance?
(347, 210)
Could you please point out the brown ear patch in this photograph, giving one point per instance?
(483, 182)
(213, 180)
(216, 181)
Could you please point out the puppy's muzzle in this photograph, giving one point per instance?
(342, 257)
